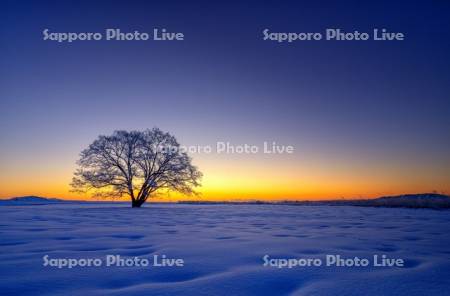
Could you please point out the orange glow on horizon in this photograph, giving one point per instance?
(255, 178)
(256, 186)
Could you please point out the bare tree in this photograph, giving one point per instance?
(135, 164)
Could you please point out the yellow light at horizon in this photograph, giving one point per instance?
(228, 178)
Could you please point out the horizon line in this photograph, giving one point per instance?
(171, 200)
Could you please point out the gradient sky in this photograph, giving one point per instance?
(366, 118)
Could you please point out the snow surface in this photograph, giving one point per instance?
(222, 247)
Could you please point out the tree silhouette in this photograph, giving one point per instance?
(135, 164)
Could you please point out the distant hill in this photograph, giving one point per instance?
(421, 200)
(425, 200)
(32, 200)
(422, 196)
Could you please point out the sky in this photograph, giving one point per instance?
(365, 118)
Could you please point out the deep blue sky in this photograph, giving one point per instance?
(380, 105)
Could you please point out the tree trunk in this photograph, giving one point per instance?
(136, 203)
